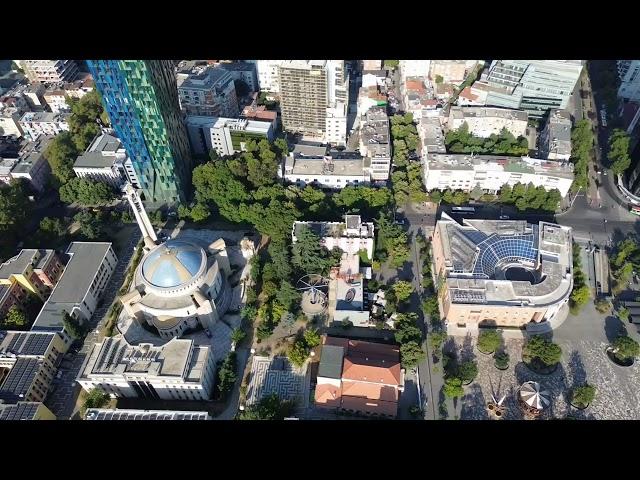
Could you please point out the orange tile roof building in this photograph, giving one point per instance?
(359, 377)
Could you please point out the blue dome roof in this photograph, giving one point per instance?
(172, 264)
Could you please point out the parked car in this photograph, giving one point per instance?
(504, 217)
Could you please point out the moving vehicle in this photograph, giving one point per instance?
(634, 209)
(504, 217)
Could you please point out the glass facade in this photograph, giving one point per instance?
(141, 98)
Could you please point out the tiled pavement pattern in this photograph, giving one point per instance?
(61, 400)
(276, 376)
(617, 397)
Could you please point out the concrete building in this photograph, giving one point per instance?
(375, 142)
(534, 86)
(49, 71)
(432, 137)
(629, 73)
(34, 95)
(208, 92)
(506, 274)
(57, 101)
(25, 411)
(10, 124)
(414, 68)
(180, 285)
(106, 160)
(472, 96)
(374, 78)
(177, 370)
(485, 121)
(491, 172)
(130, 414)
(359, 377)
(371, 64)
(243, 71)
(370, 97)
(225, 135)
(452, 71)
(35, 124)
(36, 272)
(260, 113)
(28, 364)
(314, 96)
(329, 169)
(80, 287)
(268, 78)
(554, 142)
(32, 165)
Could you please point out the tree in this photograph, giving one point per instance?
(489, 341)
(619, 151)
(580, 295)
(270, 407)
(237, 335)
(625, 348)
(501, 360)
(86, 192)
(391, 64)
(96, 398)
(312, 337)
(50, 231)
(15, 207)
(308, 255)
(453, 387)
(61, 153)
(298, 352)
(72, 326)
(540, 349)
(15, 317)
(403, 290)
(282, 146)
(407, 329)
(411, 354)
(279, 253)
(623, 313)
(90, 225)
(583, 395)
(227, 374)
(468, 371)
(287, 295)
(439, 79)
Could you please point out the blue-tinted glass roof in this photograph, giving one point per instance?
(496, 248)
(174, 263)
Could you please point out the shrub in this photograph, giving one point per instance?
(436, 339)
(502, 360)
(467, 371)
(625, 348)
(489, 341)
(583, 395)
(623, 314)
(453, 387)
(542, 350)
(96, 398)
(602, 305)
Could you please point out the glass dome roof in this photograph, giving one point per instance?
(172, 264)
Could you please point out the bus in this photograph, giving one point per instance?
(463, 209)
(634, 209)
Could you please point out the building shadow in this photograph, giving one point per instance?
(576, 369)
(555, 383)
(474, 404)
(466, 350)
(613, 328)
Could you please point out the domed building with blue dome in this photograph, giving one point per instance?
(180, 285)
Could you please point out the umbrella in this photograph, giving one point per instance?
(534, 395)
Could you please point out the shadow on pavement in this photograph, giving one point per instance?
(613, 328)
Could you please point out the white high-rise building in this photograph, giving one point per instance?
(268, 80)
(629, 73)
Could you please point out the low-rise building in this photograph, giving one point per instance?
(371, 64)
(80, 287)
(431, 135)
(36, 271)
(28, 364)
(472, 97)
(25, 411)
(32, 165)
(374, 78)
(370, 97)
(177, 370)
(491, 172)
(505, 274)
(314, 165)
(208, 92)
(375, 142)
(452, 71)
(225, 135)
(359, 377)
(414, 68)
(260, 113)
(56, 98)
(554, 142)
(131, 414)
(487, 121)
(35, 124)
(106, 160)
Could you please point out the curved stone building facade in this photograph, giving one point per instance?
(180, 285)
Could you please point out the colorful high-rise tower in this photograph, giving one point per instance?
(141, 98)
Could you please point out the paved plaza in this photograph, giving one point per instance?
(277, 376)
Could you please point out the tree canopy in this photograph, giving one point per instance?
(86, 192)
(403, 290)
(529, 197)
(504, 143)
(91, 226)
(15, 318)
(489, 341)
(625, 348)
(581, 147)
(308, 255)
(270, 407)
(411, 354)
(539, 348)
(619, 154)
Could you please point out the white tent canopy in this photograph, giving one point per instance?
(534, 395)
